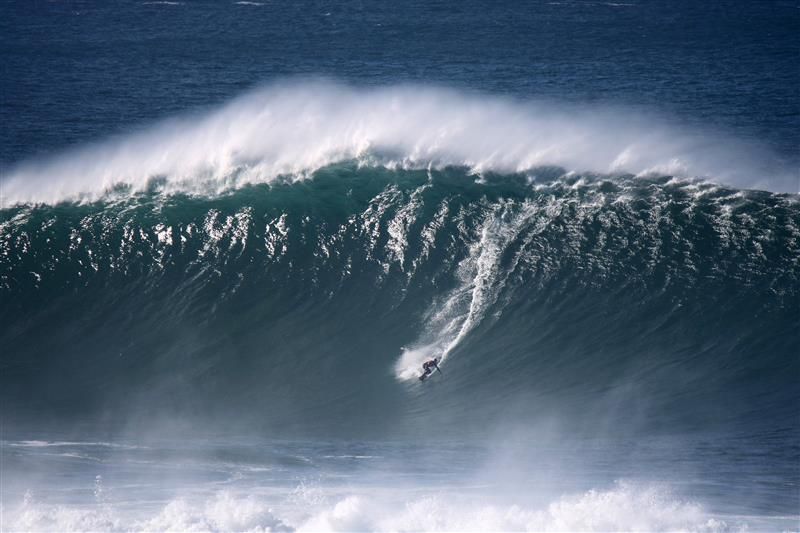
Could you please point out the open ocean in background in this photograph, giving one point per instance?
(232, 232)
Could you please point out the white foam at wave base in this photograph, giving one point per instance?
(224, 512)
(294, 129)
(32, 516)
(617, 510)
(624, 508)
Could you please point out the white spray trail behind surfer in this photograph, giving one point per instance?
(481, 279)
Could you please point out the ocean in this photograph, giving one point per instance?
(231, 233)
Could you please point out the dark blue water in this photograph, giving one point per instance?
(231, 232)
(77, 71)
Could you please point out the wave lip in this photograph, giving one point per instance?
(293, 129)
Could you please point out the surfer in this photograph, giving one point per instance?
(428, 367)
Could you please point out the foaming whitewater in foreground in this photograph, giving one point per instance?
(621, 508)
(310, 486)
(290, 130)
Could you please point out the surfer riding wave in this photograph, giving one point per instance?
(428, 367)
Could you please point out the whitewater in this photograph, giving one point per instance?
(244, 489)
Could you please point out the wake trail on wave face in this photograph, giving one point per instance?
(290, 129)
(481, 279)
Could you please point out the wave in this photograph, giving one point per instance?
(290, 130)
(309, 305)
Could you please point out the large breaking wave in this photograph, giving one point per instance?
(294, 256)
(307, 305)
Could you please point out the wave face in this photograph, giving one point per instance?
(308, 305)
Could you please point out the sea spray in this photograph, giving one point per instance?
(291, 129)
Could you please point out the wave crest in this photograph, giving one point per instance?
(293, 129)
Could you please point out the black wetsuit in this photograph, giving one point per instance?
(428, 367)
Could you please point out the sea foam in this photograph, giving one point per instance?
(624, 507)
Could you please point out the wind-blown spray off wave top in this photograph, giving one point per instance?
(291, 130)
